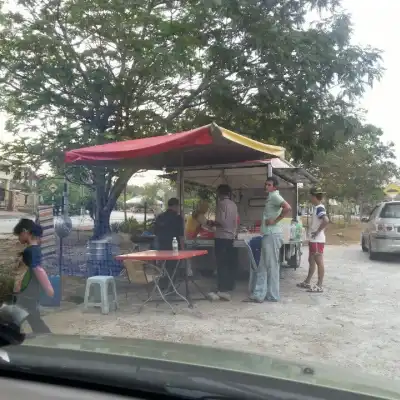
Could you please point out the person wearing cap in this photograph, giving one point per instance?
(316, 244)
(265, 285)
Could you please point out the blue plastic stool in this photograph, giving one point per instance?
(100, 295)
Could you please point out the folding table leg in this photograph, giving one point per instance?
(169, 287)
(190, 278)
(165, 300)
(173, 286)
(154, 290)
(149, 297)
(187, 278)
(199, 289)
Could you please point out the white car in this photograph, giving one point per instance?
(382, 231)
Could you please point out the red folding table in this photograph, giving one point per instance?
(158, 259)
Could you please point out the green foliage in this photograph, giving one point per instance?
(160, 190)
(75, 73)
(206, 194)
(133, 190)
(6, 282)
(77, 195)
(358, 170)
(194, 193)
(131, 226)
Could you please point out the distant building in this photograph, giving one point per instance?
(17, 194)
(6, 178)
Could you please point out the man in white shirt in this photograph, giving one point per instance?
(319, 221)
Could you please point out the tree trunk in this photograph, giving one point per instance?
(102, 212)
(106, 199)
(102, 224)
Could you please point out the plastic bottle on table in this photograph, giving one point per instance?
(175, 248)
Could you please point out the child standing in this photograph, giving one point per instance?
(319, 221)
(27, 289)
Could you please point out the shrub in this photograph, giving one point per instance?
(131, 226)
(6, 282)
(115, 227)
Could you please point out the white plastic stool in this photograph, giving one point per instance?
(104, 284)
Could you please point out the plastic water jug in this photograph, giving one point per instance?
(175, 245)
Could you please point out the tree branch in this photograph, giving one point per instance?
(119, 186)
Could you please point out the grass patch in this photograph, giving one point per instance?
(341, 232)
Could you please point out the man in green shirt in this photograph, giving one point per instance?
(266, 281)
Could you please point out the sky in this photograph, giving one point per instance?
(376, 24)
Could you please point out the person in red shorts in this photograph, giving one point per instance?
(319, 221)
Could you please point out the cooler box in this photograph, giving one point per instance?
(55, 301)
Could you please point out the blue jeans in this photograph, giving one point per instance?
(264, 281)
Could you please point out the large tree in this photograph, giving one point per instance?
(76, 73)
(357, 171)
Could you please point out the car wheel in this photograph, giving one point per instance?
(363, 246)
(372, 254)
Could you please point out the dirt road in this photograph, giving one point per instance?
(355, 323)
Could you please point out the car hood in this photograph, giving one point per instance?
(217, 358)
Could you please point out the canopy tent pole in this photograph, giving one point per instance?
(181, 189)
(181, 186)
(296, 202)
(182, 194)
(269, 170)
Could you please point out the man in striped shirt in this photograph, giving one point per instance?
(316, 244)
(226, 218)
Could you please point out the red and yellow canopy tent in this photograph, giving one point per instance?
(207, 145)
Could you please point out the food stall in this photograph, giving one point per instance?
(207, 145)
(198, 150)
(247, 183)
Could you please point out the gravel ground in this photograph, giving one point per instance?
(355, 323)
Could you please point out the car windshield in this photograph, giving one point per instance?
(180, 173)
(390, 211)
